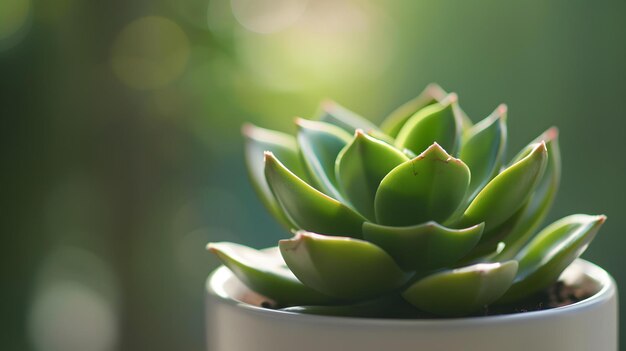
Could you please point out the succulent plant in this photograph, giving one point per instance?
(423, 210)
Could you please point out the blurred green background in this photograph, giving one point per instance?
(123, 157)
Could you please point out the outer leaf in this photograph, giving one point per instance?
(341, 267)
(320, 143)
(543, 260)
(258, 140)
(395, 120)
(483, 150)
(423, 247)
(265, 272)
(361, 166)
(540, 202)
(507, 192)
(307, 207)
(462, 291)
(428, 187)
(333, 113)
(438, 123)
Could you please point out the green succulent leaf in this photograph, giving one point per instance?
(462, 291)
(540, 202)
(438, 123)
(542, 261)
(257, 141)
(423, 247)
(320, 143)
(361, 166)
(428, 187)
(265, 272)
(333, 113)
(507, 192)
(483, 149)
(307, 207)
(341, 267)
(395, 120)
(488, 250)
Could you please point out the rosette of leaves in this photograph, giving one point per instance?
(424, 211)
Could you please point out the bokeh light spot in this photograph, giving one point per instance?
(71, 316)
(267, 16)
(74, 305)
(334, 38)
(149, 53)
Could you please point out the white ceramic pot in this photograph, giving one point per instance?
(588, 325)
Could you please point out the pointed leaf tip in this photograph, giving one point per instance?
(246, 129)
(542, 147)
(452, 98)
(436, 149)
(435, 90)
(552, 133)
(299, 121)
(502, 110)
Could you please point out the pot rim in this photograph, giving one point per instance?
(217, 292)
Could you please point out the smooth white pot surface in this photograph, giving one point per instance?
(589, 325)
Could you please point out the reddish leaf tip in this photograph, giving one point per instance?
(502, 109)
(552, 133)
(247, 129)
(436, 91)
(432, 148)
(328, 104)
(452, 98)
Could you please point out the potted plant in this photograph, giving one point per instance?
(415, 235)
